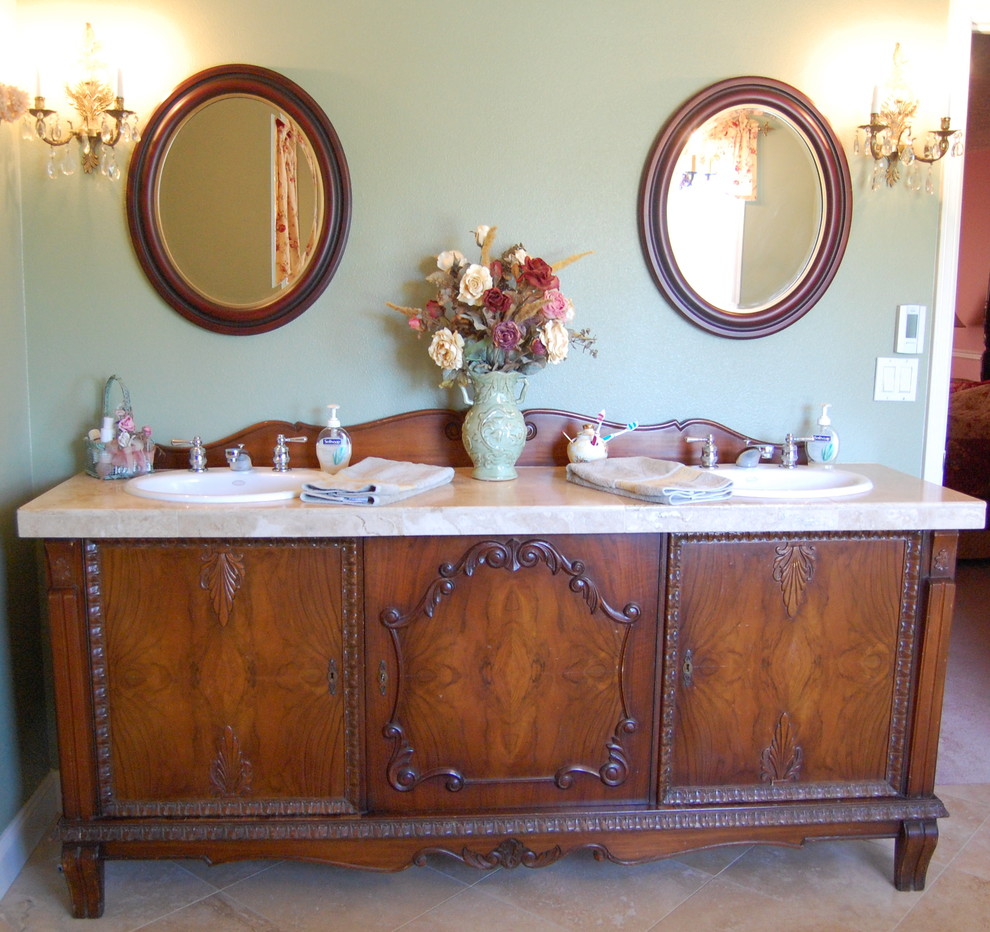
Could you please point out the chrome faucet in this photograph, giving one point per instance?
(755, 452)
(709, 450)
(238, 458)
(197, 453)
(281, 455)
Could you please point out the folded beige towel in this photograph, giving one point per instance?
(661, 481)
(376, 481)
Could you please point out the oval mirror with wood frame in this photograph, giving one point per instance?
(239, 200)
(745, 207)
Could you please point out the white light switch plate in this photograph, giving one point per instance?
(896, 379)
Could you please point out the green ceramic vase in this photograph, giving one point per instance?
(494, 431)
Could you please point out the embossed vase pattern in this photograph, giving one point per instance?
(494, 431)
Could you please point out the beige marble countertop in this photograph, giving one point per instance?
(540, 501)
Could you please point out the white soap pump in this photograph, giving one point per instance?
(333, 446)
(823, 447)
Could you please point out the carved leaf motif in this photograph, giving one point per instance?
(222, 576)
(230, 772)
(793, 568)
(781, 761)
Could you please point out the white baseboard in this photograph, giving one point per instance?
(28, 827)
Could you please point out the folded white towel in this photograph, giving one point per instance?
(661, 481)
(376, 481)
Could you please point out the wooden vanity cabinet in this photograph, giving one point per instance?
(790, 662)
(223, 677)
(502, 699)
(510, 673)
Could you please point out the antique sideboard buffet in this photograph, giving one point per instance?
(499, 672)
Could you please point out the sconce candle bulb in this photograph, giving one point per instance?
(104, 121)
(888, 137)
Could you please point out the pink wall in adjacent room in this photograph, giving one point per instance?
(974, 247)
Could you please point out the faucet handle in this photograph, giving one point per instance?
(280, 458)
(709, 450)
(197, 453)
(789, 450)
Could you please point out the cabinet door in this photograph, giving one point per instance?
(220, 676)
(788, 665)
(510, 673)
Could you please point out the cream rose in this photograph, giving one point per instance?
(480, 233)
(447, 260)
(554, 336)
(447, 349)
(475, 281)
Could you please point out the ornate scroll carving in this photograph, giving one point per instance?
(512, 555)
(793, 568)
(614, 771)
(510, 854)
(230, 772)
(403, 775)
(222, 575)
(781, 761)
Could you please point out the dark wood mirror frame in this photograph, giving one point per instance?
(142, 183)
(746, 92)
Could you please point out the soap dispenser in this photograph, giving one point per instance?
(823, 447)
(333, 446)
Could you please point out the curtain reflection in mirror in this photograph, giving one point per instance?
(730, 193)
(290, 257)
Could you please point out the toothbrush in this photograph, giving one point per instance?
(598, 428)
(632, 425)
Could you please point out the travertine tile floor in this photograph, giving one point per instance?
(830, 886)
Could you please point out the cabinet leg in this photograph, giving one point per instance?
(913, 849)
(83, 869)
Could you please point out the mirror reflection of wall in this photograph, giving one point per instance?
(218, 202)
(745, 209)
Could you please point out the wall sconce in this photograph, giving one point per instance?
(888, 137)
(104, 124)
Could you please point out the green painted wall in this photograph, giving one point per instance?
(23, 738)
(536, 117)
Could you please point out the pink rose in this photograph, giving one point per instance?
(415, 323)
(433, 309)
(538, 274)
(555, 305)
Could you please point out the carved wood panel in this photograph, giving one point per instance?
(215, 676)
(510, 672)
(792, 640)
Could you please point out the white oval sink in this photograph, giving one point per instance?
(769, 481)
(220, 486)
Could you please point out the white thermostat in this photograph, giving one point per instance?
(910, 329)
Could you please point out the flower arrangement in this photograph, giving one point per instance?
(497, 315)
(13, 102)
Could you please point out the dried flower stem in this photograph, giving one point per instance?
(557, 266)
(408, 311)
(486, 246)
